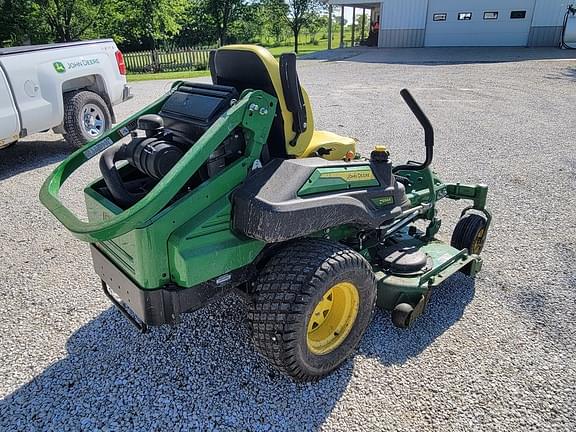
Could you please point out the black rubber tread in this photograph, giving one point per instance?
(466, 231)
(73, 104)
(286, 292)
(401, 315)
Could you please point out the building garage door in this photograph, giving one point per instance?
(478, 22)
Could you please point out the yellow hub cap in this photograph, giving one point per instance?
(478, 241)
(333, 318)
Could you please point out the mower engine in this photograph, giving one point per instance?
(161, 140)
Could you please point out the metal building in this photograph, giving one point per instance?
(436, 23)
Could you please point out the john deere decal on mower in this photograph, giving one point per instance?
(228, 187)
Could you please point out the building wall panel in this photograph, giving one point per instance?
(550, 12)
(477, 30)
(403, 23)
(401, 38)
(403, 14)
(545, 36)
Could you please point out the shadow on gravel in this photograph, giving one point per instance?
(391, 345)
(28, 155)
(201, 375)
(567, 74)
(439, 56)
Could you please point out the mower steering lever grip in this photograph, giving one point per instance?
(428, 132)
(422, 118)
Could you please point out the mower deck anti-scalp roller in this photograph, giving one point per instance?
(225, 187)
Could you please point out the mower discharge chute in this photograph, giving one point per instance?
(227, 186)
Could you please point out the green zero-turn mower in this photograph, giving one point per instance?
(227, 187)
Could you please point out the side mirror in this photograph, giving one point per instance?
(293, 94)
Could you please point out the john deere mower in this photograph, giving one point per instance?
(225, 187)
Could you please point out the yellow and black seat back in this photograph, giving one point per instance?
(253, 67)
(292, 134)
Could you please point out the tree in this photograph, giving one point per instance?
(141, 24)
(19, 24)
(274, 24)
(198, 28)
(68, 20)
(224, 13)
(316, 24)
(248, 25)
(363, 19)
(299, 13)
(10, 26)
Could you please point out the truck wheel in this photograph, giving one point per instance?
(312, 304)
(470, 233)
(86, 117)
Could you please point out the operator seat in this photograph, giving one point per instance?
(292, 133)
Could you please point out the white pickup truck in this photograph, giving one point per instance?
(69, 88)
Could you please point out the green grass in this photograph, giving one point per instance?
(302, 49)
(167, 75)
(311, 48)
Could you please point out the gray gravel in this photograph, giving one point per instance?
(497, 353)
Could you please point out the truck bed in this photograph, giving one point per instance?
(32, 48)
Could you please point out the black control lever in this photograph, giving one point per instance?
(428, 133)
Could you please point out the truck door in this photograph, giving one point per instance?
(9, 121)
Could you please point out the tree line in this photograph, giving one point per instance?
(146, 24)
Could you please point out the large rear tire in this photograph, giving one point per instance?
(312, 304)
(86, 117)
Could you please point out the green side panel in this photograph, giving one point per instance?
(130, 251)
(187, 243)
(339, 178)
(205, 247)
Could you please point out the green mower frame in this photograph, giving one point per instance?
(178, 247)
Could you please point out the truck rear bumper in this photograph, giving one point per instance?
(127, 93)
(151, 306)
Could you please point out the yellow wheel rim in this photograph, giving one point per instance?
(478, 241)
(333, 318)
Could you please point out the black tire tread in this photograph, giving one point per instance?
(73, 103)
(466, 230)
(283, 290)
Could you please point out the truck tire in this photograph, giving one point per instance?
(86, 117)
(312, 304)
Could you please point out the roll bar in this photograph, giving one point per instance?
(135, 216)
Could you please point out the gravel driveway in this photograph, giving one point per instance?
(497, 353)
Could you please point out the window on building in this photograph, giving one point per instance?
(517, 14)
(464, 16)
(490, 15)
(440, 16)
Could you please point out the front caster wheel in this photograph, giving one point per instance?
(312, 304)
(402, 314)
(470, 233)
